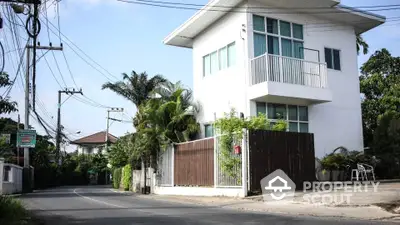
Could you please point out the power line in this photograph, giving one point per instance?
(84, 53)
(245, 10)
(52, 73)
(257, 7)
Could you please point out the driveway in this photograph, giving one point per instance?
(101, 206)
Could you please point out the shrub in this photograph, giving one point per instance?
(334, 162)
(117, 177)
(127, 178)
(12, 212)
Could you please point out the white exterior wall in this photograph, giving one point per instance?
(14, 183)
(218, 93)
(84, 149)
(337, 123)
(334, 124)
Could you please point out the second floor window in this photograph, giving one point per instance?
(332, 58)
(277, 37)
(224, 58)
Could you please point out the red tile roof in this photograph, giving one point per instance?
(97, 138)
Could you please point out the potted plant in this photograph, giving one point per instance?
(335, 165)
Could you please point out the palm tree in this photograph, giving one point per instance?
(361, 44)
(137, 88)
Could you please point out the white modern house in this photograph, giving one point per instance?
(289, 59)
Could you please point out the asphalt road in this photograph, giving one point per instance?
(101, 206)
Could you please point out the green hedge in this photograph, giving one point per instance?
(127, 178)
(117, 177)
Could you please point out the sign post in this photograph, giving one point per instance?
(26, 139)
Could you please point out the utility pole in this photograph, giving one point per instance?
(58, 135)
(26, 123)
(36, 47)
(108, 122)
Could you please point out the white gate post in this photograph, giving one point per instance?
(244, 163)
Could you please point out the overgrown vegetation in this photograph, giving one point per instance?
(12, 212)
(127, 177)
(230, 128)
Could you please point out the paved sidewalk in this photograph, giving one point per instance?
(282, 207)
(362, 204)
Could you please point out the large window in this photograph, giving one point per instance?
(224, 58)
(277, 37)
(332, 58)
(296, 116)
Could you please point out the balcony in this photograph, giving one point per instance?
(288, 80)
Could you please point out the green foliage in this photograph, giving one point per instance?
(361, 44)
(120, 153)
(231, 128)
(334, 162)
(137, 88)
(117, 173)
(380, 85)
(12, 211)
(6, 106)
(6, 150)
(127, 177)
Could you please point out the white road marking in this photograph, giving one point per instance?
(95, 200)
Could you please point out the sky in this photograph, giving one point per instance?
(123, 37)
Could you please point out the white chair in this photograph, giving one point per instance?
(364, 170)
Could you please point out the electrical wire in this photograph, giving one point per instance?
(52, 73)
(84, 53)
(234, 9)
(259, 7)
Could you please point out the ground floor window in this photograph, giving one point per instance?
(295, 115)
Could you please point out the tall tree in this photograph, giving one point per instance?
(137, 88)
(380, 86)
(361, 44)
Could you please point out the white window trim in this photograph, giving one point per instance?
(340, 58)
(218, 59)
(279, 36)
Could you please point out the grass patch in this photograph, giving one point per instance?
(12, 212)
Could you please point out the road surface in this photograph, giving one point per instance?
(101, 206)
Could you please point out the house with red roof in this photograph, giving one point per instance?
(94, 143)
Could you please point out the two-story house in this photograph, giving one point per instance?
(294, 60)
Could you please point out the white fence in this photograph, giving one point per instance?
(275, 68)
(10, 178)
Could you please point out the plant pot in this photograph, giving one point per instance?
(337, 175)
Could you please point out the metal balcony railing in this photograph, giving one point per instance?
(276, 68)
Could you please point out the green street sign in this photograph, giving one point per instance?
(26, 138)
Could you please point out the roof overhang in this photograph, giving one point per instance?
(184, 35)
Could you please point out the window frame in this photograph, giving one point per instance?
(333, 60)
(279, 36)
(218, 68)
(287, 118)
